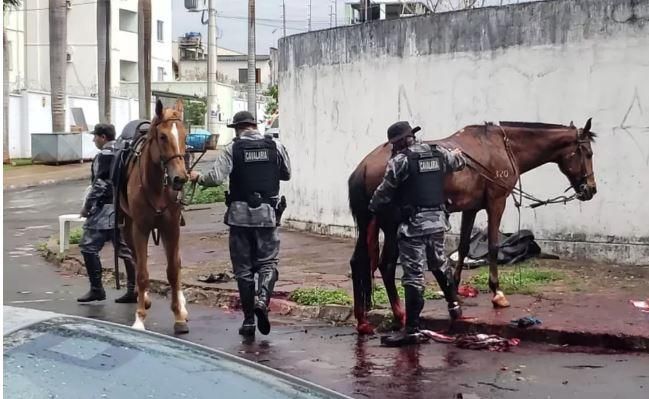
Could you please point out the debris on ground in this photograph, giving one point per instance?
(643, 306)
(485, 341)
(437, 337)
(525, 322)
(467, 291)
(223, 277)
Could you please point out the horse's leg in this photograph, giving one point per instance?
(140, 244)
(468, 218)
(170, 239)
(388, 267)
(495, 211)
(362, 281)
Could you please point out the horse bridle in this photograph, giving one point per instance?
(164, 162)
(583, 152)
(163, 165)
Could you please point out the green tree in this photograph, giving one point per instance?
(195, 112)
(272, 104)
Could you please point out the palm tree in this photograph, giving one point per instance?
(144, 57)
(58, 61)
(103, 60)
(6, 4)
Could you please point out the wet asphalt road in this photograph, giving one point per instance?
(332, 356)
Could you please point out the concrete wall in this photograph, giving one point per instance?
(227, 70)
(552, 61)
(30, 112)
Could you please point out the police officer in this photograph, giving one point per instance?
(414, 181)
(255, 164)
(99, 211)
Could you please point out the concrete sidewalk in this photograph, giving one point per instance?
(17, 177)
(590, 307)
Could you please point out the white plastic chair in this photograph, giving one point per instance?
(64, 229)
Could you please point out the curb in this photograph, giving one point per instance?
(14, 187)
(382, 318)
(209, 296)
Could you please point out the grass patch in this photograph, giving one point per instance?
(320, 296)
(518, 279)
(75, 235)
(17, 163)
(380, 295)
(327, 296)
(205, 195)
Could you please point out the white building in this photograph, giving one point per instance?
(28, 37)
(190, 54)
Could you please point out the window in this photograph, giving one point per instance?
(127, 71)
(161, 31)
(127, 21)
(243, 75)
(161, 74)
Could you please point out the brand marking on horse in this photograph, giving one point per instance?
(502, 174)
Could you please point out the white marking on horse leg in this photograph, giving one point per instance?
(181, 306)
(139, 323)
(174, 132)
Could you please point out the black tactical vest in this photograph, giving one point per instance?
(102, 167)
(255, 169)
(424, 187)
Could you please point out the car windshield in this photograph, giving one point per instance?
(69, 358)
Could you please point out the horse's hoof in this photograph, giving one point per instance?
(499, 300)
(181, 327)
(138, 325)
(365, 329)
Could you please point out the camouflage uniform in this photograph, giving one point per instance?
(254, 239)
(99, 228)
(421, 236)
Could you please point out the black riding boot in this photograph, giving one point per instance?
(266, 286)
(410, 335)
(93, 267)
(247, 298)
(447, 284)
(130, 296)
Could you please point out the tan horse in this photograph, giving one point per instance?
(497, 156)
(150, 201)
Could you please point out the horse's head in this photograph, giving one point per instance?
(576, 162)
(168, 139)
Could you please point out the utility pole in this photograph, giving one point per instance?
(252, 65)
(365, 8)
(331, 15)
(309, 15)
(212, 99)
(284, 17)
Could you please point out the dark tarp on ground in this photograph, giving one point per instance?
(514, 248)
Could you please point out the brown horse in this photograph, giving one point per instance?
(497, 155)
(150, 201)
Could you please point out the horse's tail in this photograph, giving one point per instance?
(366, 225)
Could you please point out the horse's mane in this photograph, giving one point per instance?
(534, 125)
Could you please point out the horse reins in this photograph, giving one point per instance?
(485, 173)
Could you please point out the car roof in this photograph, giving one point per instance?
(17, 318)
